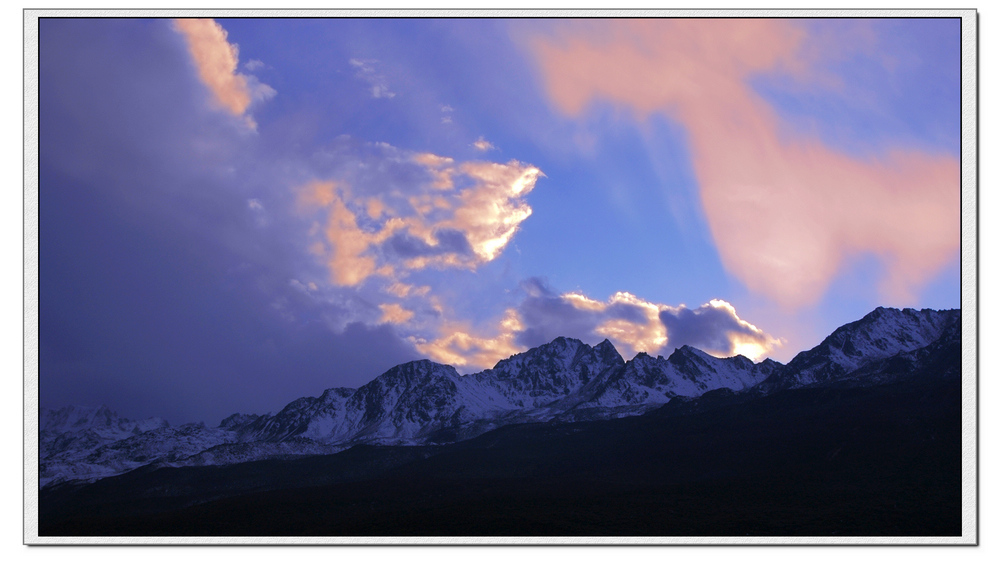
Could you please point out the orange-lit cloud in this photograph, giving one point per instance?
(393, 313)
(786, 211)
(636, 325)
(348, 264)
(632, 324)
(715, 327)
(402, 290)
(460, 215)
(217, 60)
(490, 212)
(348, 259)
(440, 167)
(460, 346)
(483, 145)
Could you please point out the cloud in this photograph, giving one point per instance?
(410, 211)
(632, 324)
(637, 325)
(446, 110)
(786, 211)
(546, 315)
(338, 287)
(365, 70)
(128, 109)
(715, 327)
(490, 211)
(394, 313)
(346, 243)
(254, 65)
(259, 212)
(460, 346)
(483, 145)
(217, 60)
(260, 91)
(402, 290)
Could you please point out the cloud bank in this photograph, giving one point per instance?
(786, 211)
(631, 323)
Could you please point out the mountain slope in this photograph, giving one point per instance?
(882, 334)
(81, 428)
(412, 401)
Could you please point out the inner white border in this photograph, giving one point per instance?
(970, 508)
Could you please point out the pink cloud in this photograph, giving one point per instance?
(393, 313)
(483, 145)
(216, 60)
(786, 212)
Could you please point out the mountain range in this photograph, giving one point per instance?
(861, 435)
(422, 402)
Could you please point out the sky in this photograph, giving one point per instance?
(235, 213)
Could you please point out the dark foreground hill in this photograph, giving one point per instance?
(818, 461)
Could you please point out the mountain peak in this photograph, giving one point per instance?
(562, 342)
(236, 420)
(882, 333)
(337, 392)
(685, 353)
(419, 368)
(562, 347)
(881, 312)
(607, 350)
(418, 364)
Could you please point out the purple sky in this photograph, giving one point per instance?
(224, 229)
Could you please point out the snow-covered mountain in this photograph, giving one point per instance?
(80, 428)
(689, 372)
(882, 334)
(425, 402)
(410, 402)
(164, 445)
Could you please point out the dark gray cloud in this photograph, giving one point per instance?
(449, 241)
(545, 315)
(370, 169)
(626, 311)
(633, 324)
(712, 327)
(161, 290)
